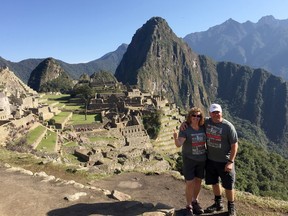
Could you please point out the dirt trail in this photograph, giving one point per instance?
(23, 195)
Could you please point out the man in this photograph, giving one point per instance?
(222, 145)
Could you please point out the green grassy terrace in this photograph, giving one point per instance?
(80, 118)
(64, 101)
(48, 142)
(34, 134)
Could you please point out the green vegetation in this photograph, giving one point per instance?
(70, 144)
(152, 123)
(86, 93)
(57, 97)
(80, 118)
(30, 162)
(65, 101)
(278, 206)
(103, 77)
(33, 135)
(61, 84)
(61, 117)
(72, 107)
(48, 142)
(260, 172)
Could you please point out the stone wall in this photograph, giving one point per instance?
(61, 125)
(44, 113)
(24, 121)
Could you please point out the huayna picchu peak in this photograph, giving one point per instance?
(161, 63)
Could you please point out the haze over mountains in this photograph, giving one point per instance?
(108, 62)
(260, 45)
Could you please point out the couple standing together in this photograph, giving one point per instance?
(209, 147)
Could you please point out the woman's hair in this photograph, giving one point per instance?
(194, 111)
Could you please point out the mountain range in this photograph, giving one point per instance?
(260, 45)
(158, 61)
(108, 62)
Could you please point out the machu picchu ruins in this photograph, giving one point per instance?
(117, 141)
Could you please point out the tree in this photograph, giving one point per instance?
(86, 93)
(152, 123)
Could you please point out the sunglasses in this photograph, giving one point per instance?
(198, 116)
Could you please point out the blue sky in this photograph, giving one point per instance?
(79, 31)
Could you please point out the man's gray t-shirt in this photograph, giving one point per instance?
(220, 136)
(194, 146)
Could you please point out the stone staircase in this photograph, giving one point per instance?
(170, 120)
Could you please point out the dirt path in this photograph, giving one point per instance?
(25, 195)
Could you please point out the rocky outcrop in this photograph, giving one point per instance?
(12, 85)
(49, 76)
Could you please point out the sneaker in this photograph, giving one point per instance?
(217, 206)
(188, 211)
(231, 209)
(197, 209)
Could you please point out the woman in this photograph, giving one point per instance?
(193, 142)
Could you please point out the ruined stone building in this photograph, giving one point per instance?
(5, 111)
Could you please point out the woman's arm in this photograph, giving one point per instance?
(178, 140)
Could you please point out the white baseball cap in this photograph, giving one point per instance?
(215, 107)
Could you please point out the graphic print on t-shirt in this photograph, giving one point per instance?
(213, 134)
(198, 143)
